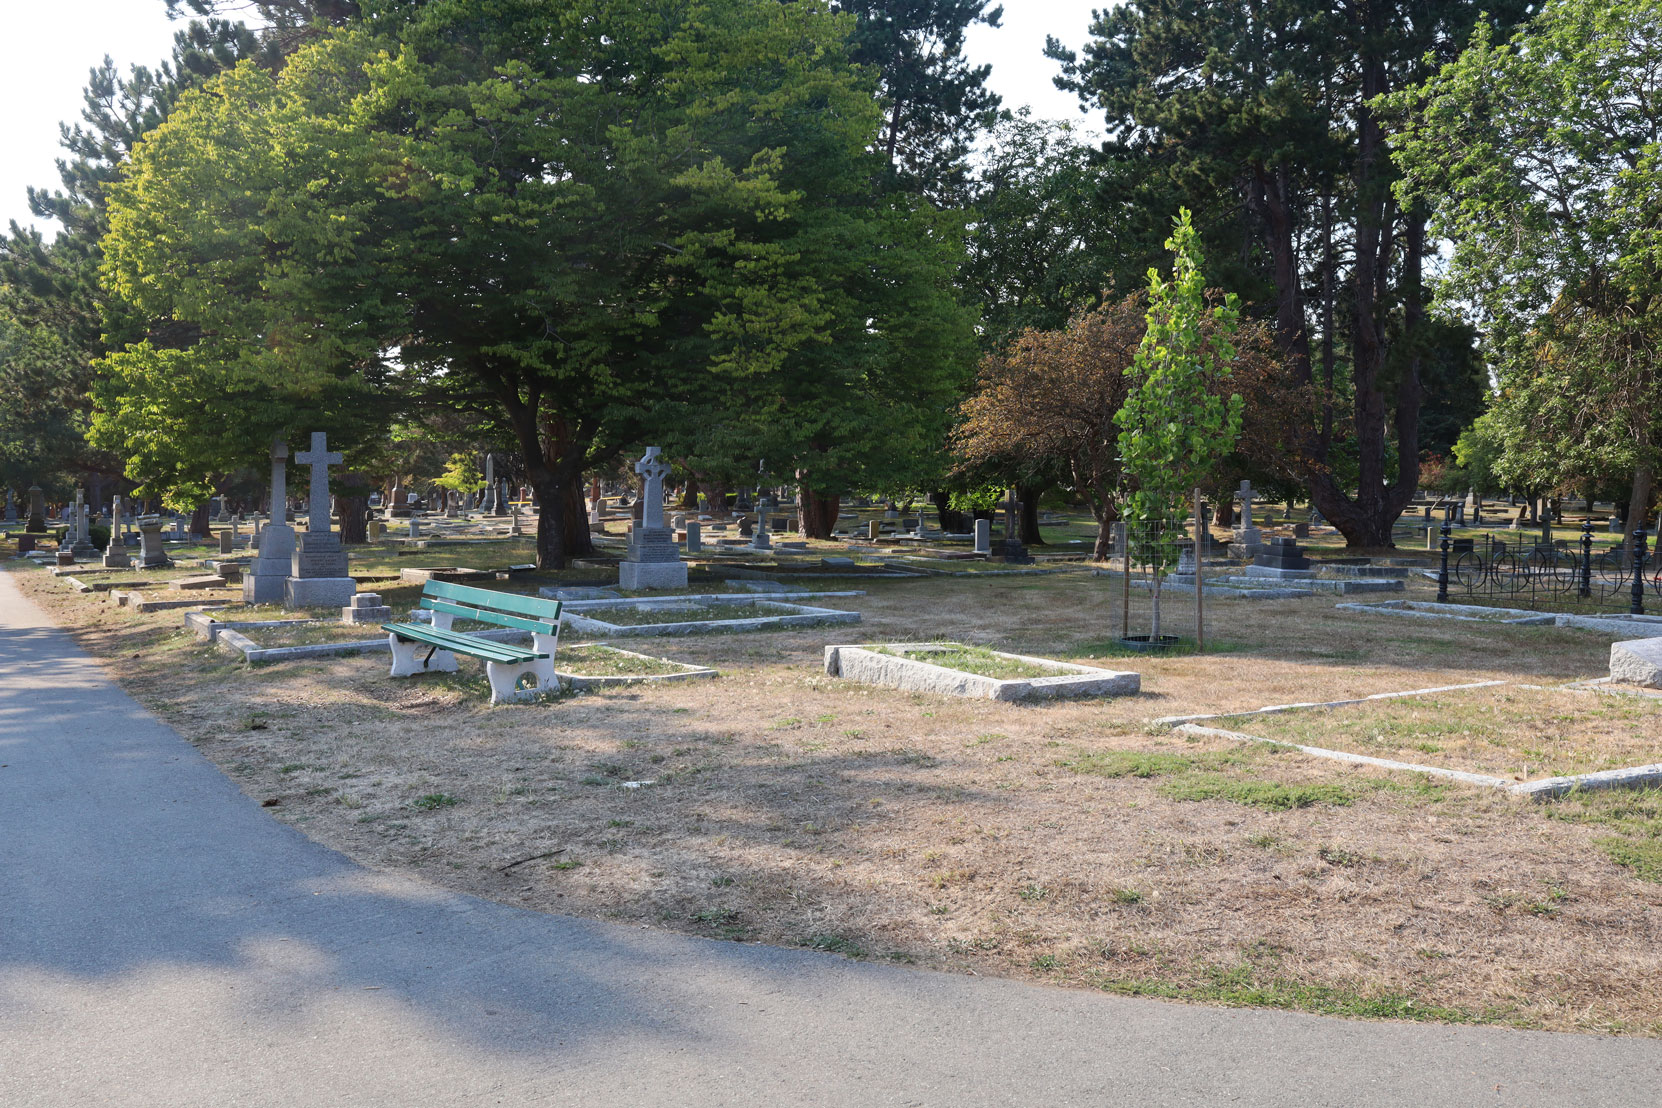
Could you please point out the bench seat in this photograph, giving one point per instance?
(459, 643)
(515, 672)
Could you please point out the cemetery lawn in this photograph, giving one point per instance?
(1067, 842)
(1523, 734)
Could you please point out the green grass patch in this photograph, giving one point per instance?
(432, 802)
(1642, 856)
(1148, 763)
(1269, 795)
(1243, 987)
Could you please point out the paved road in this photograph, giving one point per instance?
(163, 942)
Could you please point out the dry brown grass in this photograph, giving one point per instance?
(788, 807)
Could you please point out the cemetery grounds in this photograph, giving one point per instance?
(1075, 843)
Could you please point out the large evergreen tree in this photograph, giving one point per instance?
(934, 101)
(1261, 116)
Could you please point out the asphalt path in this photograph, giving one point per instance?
(165, 942)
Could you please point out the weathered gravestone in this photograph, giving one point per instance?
(319, 577)
(115, 554)
(82, 545)
(152, 555)
(11, 507)
(761, 539)
(227, 541)
(37, 509)
(1248, 537)
(695, 536)
(366, 607)
(267, 578)
(490, 505)
(1281, 558)
(1011, 549)
(653, 562)
(984, 536)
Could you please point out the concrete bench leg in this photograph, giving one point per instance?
(504, 678)
(407, 658)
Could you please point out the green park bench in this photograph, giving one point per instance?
(515, 672)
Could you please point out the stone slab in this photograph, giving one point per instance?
(318, 592)
(1637, 662)
(264, 588)
(652, 575)
(1277, 573)
(207, 581)
(871, 667)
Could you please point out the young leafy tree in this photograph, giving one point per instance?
(1538, 157)
(1174, 425)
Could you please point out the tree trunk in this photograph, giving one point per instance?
(1225, 514)
(1638, 508)
(953, 522)
(199, 522)
(689, 495)
(352, 506)
(1029, 495)
(816, 512)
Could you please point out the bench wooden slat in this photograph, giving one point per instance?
(468, 611)
(492, 600)
(458, 643)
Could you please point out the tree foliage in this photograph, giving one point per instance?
(1539, 157)
(934, 101)
(1178, 420)
(594, 222)
(1261, 117)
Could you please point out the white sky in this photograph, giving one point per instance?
(54, 44)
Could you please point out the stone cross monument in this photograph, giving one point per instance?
(82, 528)
(266, 581)
(1011, 549)
(653, 562)
(1250, 538)
(115, 554)
(319, 578)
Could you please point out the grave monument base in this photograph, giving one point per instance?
(264, 588)
(319, 592)
(652, 575)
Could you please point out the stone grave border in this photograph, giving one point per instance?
(868, 666)
(689, 672)
(1546, 788)
(573, 614)
(228, 635)
(1223, 592)
(774, 572)
(1635, 626)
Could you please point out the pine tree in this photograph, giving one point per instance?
(1261, 114)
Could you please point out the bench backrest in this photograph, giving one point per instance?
(505, 609)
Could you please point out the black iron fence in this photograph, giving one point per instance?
(1551, 575)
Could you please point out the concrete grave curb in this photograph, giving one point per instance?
(871, 667)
